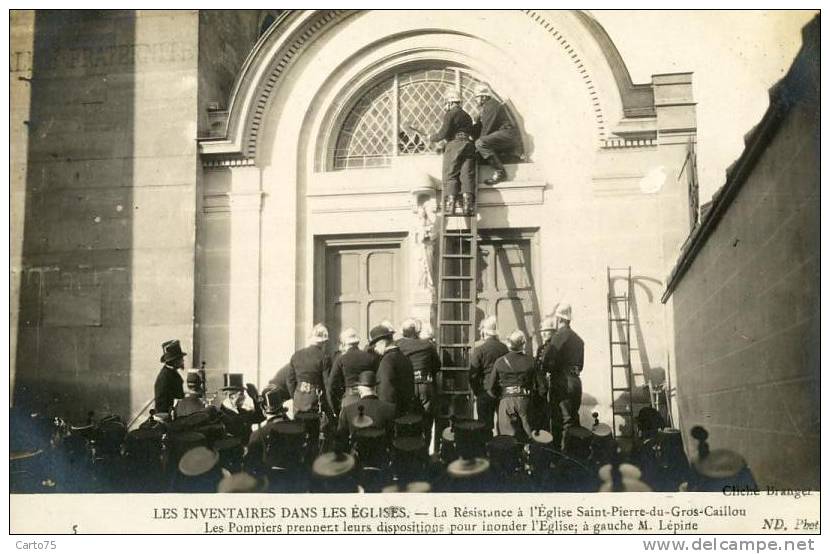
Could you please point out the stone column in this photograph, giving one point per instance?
(243, 318)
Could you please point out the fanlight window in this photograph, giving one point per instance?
(373, 131)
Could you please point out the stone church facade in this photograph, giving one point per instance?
(230, 178)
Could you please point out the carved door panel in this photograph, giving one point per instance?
(362, 288)
(506, 286)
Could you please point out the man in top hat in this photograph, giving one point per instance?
(308, 369)
(459, 154)
(396, 380)
(169, 383)
(193, 400)
(272, 401)
(425, 362)
(512, 379)
(381, 413)
(483, 357)
(236, 418)
(494, 132)
(562, 360)
(346, 370)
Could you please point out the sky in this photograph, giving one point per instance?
(736, 56)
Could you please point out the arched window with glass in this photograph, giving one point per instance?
(373, 131)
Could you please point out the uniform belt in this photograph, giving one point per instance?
(305, 386)
(515, 390)
(422, 377)
(462, 136)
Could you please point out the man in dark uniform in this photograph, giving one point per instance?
(381, 413)
(346, 370)
(482, 359)
(169, 383)
(307, 371)
(425, 362)
(494, 133)
(512, 380)
(279, 382)
(563, 360)
(396, 380)
(193, 400)
(459, 154)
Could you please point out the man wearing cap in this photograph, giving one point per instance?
(342, 385)
(168, 386)
(483, 357)
(307, 371)
(380, 412)
(511, 381)
(396, 380)
(494, 133)
(425, 362)
(193, 400)
(459, 154)
(562, 360)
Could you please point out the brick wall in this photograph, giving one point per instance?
(746, 314)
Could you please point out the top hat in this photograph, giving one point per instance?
(332, 465)
(578, 442)
(717, 469)
(367, 379)
(380, 332)
(361, 420)
(171, 351)
(470, 437)
(409, 425)
(370, 446)
(233, 382)
(504, 452)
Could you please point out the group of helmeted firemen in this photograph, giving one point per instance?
(367, 419)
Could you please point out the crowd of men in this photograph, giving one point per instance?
(366, 419)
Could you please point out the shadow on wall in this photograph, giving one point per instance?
(73, 351)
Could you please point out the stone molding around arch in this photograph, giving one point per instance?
(286, 39)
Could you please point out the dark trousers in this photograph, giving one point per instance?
(486, 407)
(425, 393)
(565, 399)
(516, 406)
(459, 171)
(497, 142)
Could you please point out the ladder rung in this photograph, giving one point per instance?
(621, 389)
(456, 300)
(619, 365)
(627, 412)
(623, 297)
(455, 392)
(457, 256)
(619, 342)
(451, 368)
(454, 322)
(454, 345)
(618, 319)
(457, 277)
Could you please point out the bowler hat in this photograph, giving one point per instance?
(379, 332)
(194, 379)
(171, 351)
(197, 461)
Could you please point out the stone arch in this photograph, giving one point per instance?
(282, 44)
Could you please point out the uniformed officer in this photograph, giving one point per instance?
(279, 382)
(396, 380)
(482, 359)
(494, 133)
(168, 386)
(346, 370)
(562, 360)
(511, 380)
(459, 154)
(425, 366)
(381, 413)
(193, 400)
(307, 370)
